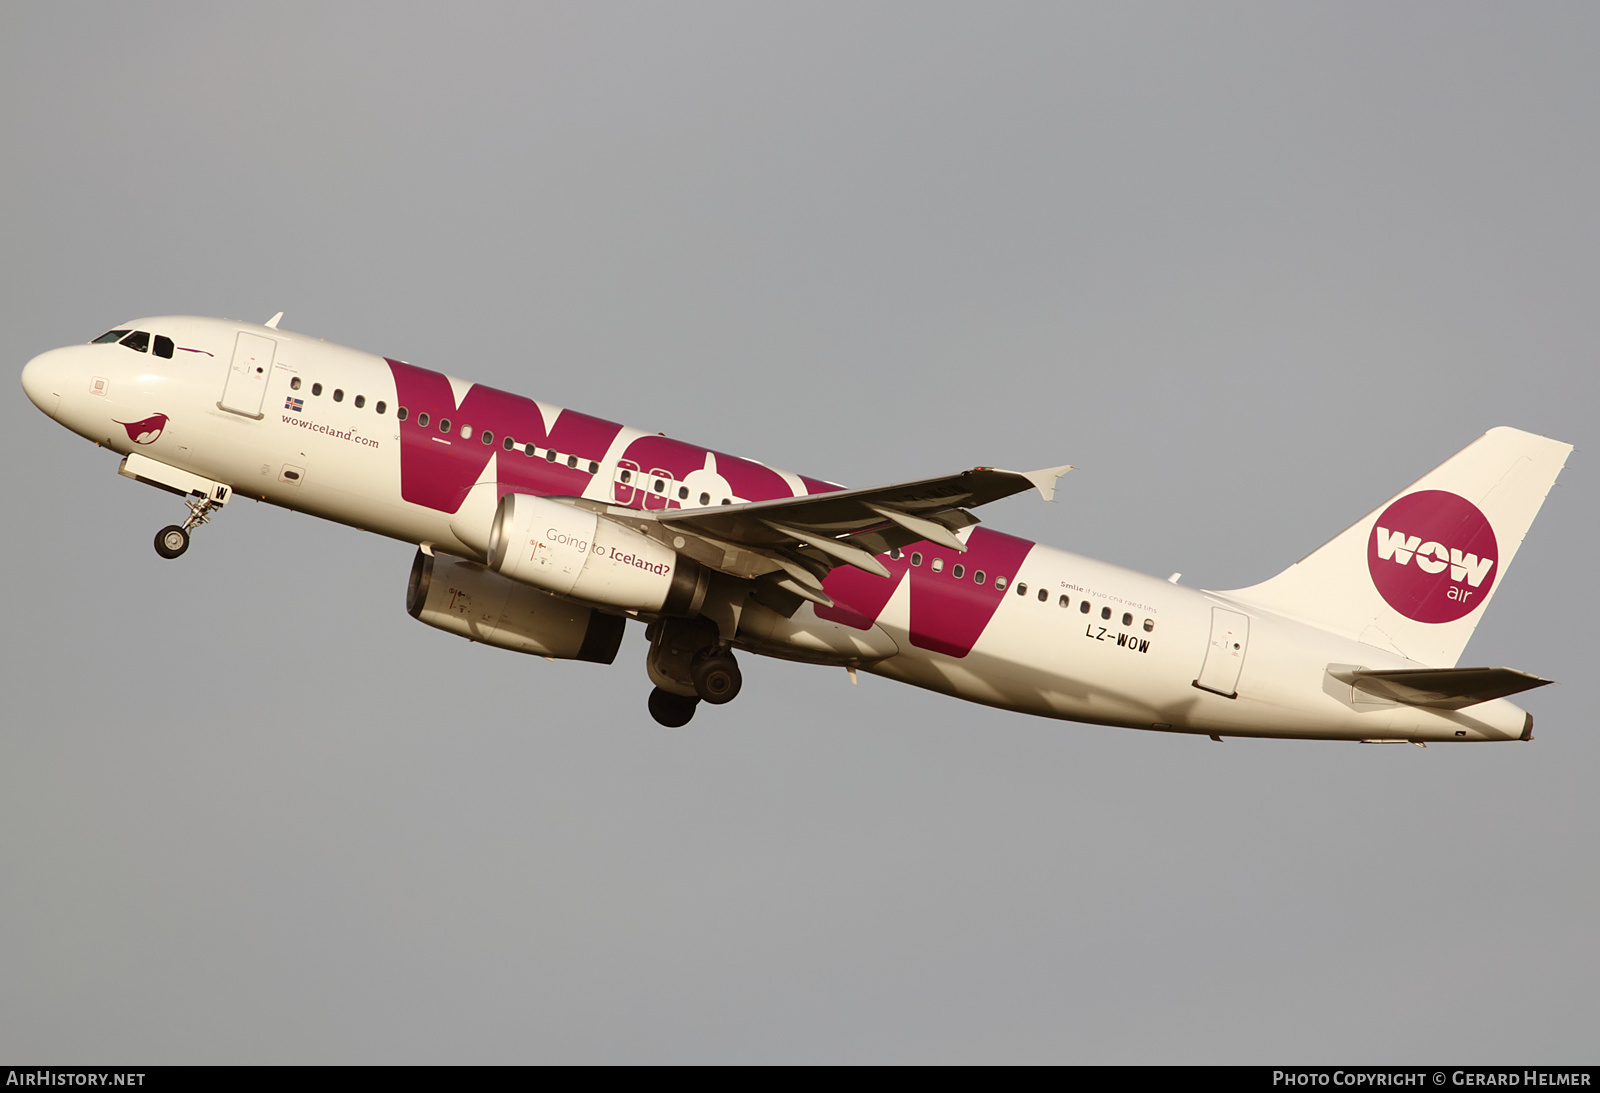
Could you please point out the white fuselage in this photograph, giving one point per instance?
(1103, 644)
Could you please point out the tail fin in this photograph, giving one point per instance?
(1415, 575)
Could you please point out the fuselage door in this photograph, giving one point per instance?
(1230, 634)
(626, 481)
(248, 375)
(659, 485)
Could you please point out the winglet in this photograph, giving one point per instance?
(1045, 480)
(273, 322)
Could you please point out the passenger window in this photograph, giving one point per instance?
(550, 455)
(338, 394)
(138, 341)
(1084, 607)
(1149, 625)
(163, 346)
(683, 493)
(1000, 583)
(1022, 588)
(444, 425)
(594, 468)
(316, 388)
(361, 400)
(727, 500)
(916, 557)
(1064, 601)
(422, 420)
(527, 450)
(626, 476)
(1105, 612)
(1044, 596)
(894, 554)
(1127, 619)
(380, 407)
(572, 461)
(401, 414)
(958, 570)
(938, 565)
(488, 438)
(977, 576)
(508, 444)
(294, 384)
(705, 499)
(658, 487)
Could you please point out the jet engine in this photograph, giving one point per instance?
(465, 599)
(574, 552)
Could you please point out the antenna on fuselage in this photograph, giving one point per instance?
(273, 322)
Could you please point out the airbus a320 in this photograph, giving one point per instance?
(543, 530)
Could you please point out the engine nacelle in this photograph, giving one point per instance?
(465, 599)
(574, 552)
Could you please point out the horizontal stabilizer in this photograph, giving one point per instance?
(1440, 688)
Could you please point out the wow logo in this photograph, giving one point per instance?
(1432, 556)
(146, 431)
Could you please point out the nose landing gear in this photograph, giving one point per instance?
(173, 540)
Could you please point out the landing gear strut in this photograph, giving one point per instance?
(173, 540)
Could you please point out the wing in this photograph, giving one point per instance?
(795, 541)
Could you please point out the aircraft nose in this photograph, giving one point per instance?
(42, 380)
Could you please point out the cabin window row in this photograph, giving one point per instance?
(661, 485)
(657, 485)
(360, 401)
(509, 443)
(958, 571)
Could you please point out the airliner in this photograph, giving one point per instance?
(543, 530)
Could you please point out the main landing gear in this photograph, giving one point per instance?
(689, 664)
(173, 540)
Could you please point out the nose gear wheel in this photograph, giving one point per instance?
(173, 540)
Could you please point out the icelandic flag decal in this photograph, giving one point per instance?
(294, 404)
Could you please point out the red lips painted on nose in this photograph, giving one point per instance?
(145, 431)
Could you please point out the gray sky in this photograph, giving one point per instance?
(1251, 267)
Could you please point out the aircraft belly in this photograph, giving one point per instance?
(805, 636)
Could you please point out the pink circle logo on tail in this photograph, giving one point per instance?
(1433, 556)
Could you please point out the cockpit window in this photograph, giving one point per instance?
(138, 341)
(163, 346)
(109, 336)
